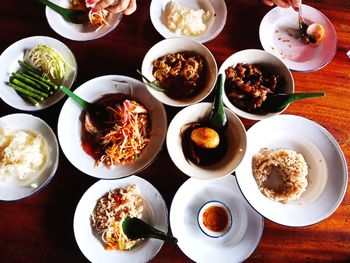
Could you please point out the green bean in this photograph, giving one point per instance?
(27, 92)
(41, 79)
(43, 85)
(29, 88)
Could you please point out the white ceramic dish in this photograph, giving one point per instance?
(328, 174)
(217, 22)
(176, 45)
(211, 218)
(155, 213)
(9, 64)
(268, 61)
(279, 35)
(237, 244)
(10, 191)
(69, 127)
(235, 135)
(78, 32)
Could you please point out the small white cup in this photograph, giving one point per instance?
(205, 228)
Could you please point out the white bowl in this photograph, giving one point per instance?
(327, 170)
(217, 22)
(69, 127)
(270, 62)
(9, 64)
(176, 45)
(15, 190)
(76, 32)
(235, 135)
(209, 232)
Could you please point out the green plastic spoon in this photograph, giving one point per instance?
(276, 102)
(135, 228)
(70, 15)
(217, 118)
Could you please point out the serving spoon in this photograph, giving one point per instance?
(135, 228)
(71, 15)
(276, 102)
(217, 119)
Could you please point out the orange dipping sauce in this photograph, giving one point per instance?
(215, 218)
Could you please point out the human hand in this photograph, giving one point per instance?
(114, 6)
(283, 3)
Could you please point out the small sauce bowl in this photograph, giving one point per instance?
(214, 219)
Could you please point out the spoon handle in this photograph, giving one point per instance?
(84, 104)
(55, 7)
(298, 96)
(218, 119)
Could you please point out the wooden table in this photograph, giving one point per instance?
(39, 228)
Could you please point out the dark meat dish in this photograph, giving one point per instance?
(247, 86)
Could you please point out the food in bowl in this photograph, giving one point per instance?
(180, 74)
(316, 31)
(281, 175)
(248, 85)
(202, 145)
(23, 155)
(96, 17)
(123, 134)
(109, 213)
(183, 20)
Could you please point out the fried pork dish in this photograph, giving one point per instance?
(247, 86)
(181, 74)
(280, 174)
(110, 212)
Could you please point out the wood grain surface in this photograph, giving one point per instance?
(40, 228)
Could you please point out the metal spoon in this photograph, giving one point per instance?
(70, 15)
(135, 228)
(277, 102)
(303, 28)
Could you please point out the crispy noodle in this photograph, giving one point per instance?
(109, 213)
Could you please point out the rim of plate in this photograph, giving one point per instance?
(157, 209)
(8, 95)
(218, 9)
(76, 32)
(70, 139)
(300, 66)
(342, 159)
(50, 171)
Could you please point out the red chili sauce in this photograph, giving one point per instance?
(215, 218)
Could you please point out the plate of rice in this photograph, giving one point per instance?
(294, 172)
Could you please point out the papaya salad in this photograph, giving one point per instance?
(96, 17)
(123, 135)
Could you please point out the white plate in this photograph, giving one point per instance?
(237, 244)
(155, 213)
(69, 127)
(78, 32)
(279, 35)
(328, 175)
(216, 7)
(10, 190)
(9, 64)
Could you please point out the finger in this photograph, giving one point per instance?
(295, 4)
(131, 8)
(119, 7)
(103, 4)
(282, 3)
(268, 2)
